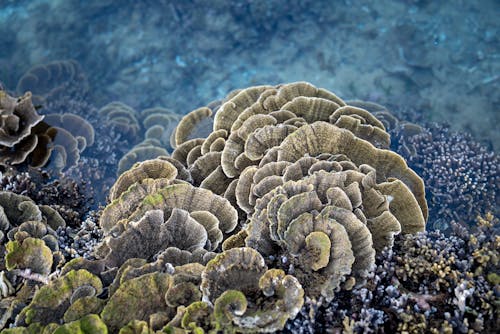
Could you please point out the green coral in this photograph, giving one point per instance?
(230, 304)
(136, 327)
(82, 307)
(32, 329)
(295, 185)
(90, 324)
(51, 301)
(31, 253)
(137, 299)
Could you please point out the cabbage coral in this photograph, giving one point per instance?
(271, 196)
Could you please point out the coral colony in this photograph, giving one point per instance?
(277, 209)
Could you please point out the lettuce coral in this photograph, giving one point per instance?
(273, 196)
(53, 141)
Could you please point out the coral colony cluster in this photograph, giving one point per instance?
(279, 208)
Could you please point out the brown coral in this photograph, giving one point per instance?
(145, 150)
(54, 142)
(149, 169)
(247, 295)
(160, 124)
(17, 118)
(79, 128)
(49, 80)
(290, 181)
(122, 117)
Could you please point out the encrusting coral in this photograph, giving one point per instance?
(289, 200)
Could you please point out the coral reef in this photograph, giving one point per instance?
(71, 138)
(159, 125)
(292, 206)
(18, 118)
(49, 81)
(67, 196)
(122, 117)
(427, 283)
(38, 140)
(315, 230)
(462, 176)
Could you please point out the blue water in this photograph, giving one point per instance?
(427, 61)
(439, 57)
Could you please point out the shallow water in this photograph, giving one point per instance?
(129, 70)
(440, 58)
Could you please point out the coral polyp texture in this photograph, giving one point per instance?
(275, 200)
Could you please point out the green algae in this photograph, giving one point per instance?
(90, 324)
(51, 301)
(31, 253)
(136, 299)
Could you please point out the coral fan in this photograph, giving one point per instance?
(317, 210)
